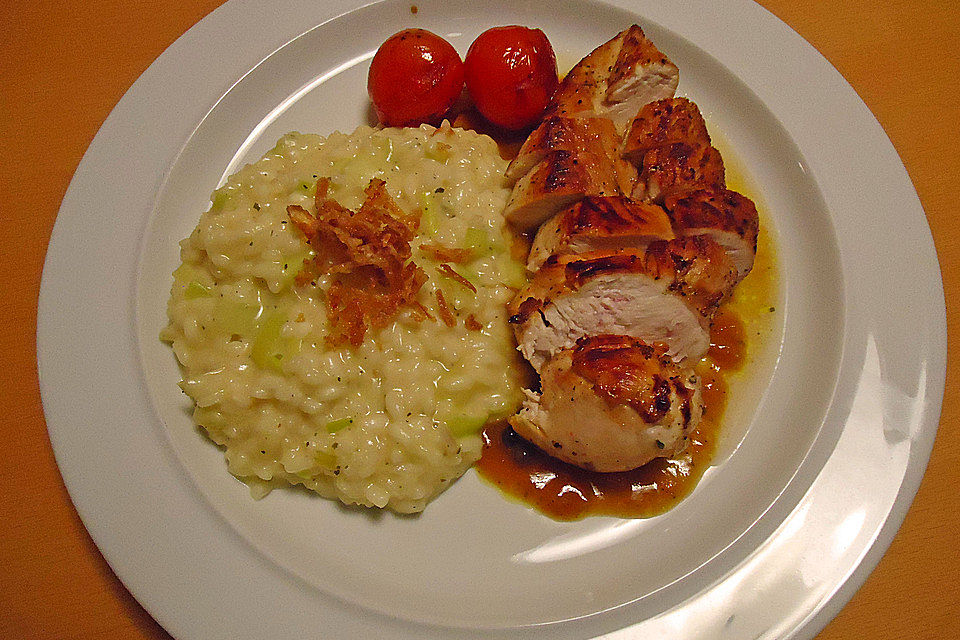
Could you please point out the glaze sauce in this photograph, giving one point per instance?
(565, 492)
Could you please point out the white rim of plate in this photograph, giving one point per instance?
(131, 154)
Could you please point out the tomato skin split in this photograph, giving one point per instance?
(415, 77)
(511, 75)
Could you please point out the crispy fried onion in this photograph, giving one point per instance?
(442, 253)
(444, 310)
(447, 270)
(368, 254)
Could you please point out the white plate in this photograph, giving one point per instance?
(833, 431)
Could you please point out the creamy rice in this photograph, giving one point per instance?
(394, 421)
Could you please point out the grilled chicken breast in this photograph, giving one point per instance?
(663, 123)
(624, 292)
(665, 296)
(616, 79)
(613, 223)
(678, 168)
(575, 135)
(726, 216)
(612, 403)
(556, 182)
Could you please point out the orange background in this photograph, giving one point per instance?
(65, 64)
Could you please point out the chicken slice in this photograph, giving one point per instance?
(678, 168)
(616, 79)
(726, 216)
(642, 74)
(665, 296)
(613, 223)
(612, 403)
(662, 123)
(594, 135)
(556, 182)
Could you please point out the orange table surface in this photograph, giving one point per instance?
(64, 65)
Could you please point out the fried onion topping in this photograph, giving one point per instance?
(367, 253)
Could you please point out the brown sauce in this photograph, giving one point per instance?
(565, 492)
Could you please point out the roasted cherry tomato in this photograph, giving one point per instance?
(511, 75)
(415, 77)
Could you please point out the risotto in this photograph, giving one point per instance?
(393, 421)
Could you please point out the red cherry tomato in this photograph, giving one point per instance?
(511, 75)
(415, 77)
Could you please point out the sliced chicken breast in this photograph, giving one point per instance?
(642, 74)
(665, 296)
(594, 135)
(612, 403)
(613, 223)
(726, 216)
(556, 182)
(616, 79)
(662, 123)
(678, 168)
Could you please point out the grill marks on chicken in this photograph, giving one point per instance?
(611, 403)
(726, 216)
(627, 371)
(678, 168)
(665, 296)
(662, 123)
(557, 181)
(614, 223)
(574, 135)
(639, 242)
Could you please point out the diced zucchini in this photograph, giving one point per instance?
(196, 290)
(233, 317)
(188, 280)
(268, 346)
(512, 273)
(430, 220)
(221, 198)
(336, 425)
(464, 425)
(294, 266)
(325, 459)
(477, 239)
(186, 273)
